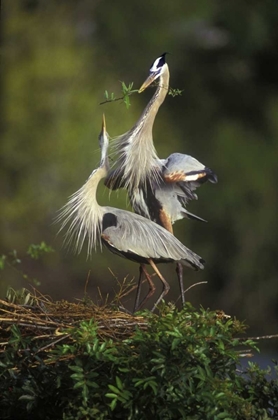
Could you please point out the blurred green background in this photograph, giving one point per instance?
(60, 57)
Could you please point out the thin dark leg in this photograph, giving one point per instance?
(139, 286)
(166, 286)
(151, 291)
(179, 270)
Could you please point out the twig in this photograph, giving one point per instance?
(111, 100)
(190, 287)
(121, 98)
(132, 289)
(52, 344)
(195, 284)
(246, 355)
(263, 337)
(87, 282)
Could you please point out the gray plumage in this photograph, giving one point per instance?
(158, 189)
(169, 183)
(127, 234)
(142, 239)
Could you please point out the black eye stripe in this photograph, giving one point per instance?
(158, 63)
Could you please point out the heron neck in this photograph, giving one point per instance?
(148, 116)
(84, 213)
(88, 212)
(138, 159)
(90, 188)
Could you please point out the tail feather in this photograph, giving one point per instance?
(211, 176)
(197, 263)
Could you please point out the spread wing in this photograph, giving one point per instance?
(130, 233)
(184, 168)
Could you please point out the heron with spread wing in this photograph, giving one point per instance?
(122, 232)
(158, 189)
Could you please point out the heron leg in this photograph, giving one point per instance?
(179, 270)
(151, 291)
(139, 286)
(166, 286)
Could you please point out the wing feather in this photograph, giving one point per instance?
(179, 167)
(133, 233)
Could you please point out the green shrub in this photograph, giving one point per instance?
(175, 365)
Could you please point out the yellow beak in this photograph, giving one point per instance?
(151, 78)
(103, 128)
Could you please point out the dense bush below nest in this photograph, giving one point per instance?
(61, 360)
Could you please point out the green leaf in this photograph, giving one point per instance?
(85, 392)
(92, 384)
(79, 385)
(2, 261)
(114, 389)
(36, 251)
(76, 368)
(175, 343)
(127, 101)
(110, 395)
(79, 375)
(113, 405)
(26, 397)
(119, 383)
(102, 347)
(224, 415)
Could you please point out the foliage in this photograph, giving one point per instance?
(127, 91)
(175, 92)
(180, 365)
(36, 251)
(12, 261)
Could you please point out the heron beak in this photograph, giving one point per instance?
(150, 79)
(103, 123)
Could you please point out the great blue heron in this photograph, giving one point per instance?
(158, 189)
(122, 232)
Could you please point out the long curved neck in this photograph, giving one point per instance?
(83, 214)
(147, 117)
(87, 195)
(138, 157)
(89, 190)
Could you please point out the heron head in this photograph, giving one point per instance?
(155, 71)
(103, 141)
(102, 138)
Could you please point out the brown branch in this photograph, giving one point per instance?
(111, 100)
(190, 287)
(262, 337)
(52, 344)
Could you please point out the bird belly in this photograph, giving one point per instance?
(132, 256)
(158, 203)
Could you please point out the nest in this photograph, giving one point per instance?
(48, 322)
